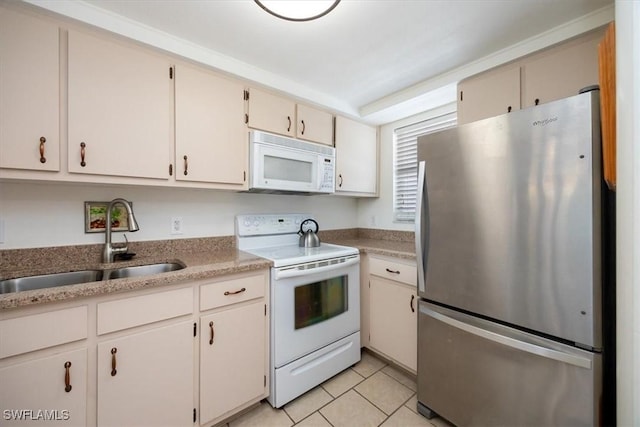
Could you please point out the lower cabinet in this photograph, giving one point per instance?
(232, 352)
(393, 316)
(144, 358)
(48, 390)
(146, 379)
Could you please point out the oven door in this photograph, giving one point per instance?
(313, 307)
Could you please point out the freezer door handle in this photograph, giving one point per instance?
(422, 227)
(536, 349)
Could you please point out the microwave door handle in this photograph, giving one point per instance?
(421, 227)
(284, 273)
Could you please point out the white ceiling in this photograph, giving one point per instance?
(376, 59)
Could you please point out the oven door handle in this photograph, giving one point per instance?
(284, 273)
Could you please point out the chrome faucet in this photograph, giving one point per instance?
(109, 250)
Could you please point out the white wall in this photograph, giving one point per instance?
(378, 213)
(628, 211)
(37, 215)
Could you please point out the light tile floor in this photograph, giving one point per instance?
(371, 393)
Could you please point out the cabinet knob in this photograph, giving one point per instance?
(537, 101)
(82, 154)
(43, 159)
(67, 376)
(509, 109)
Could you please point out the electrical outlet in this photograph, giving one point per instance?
(176, 225)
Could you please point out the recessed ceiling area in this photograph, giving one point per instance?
(374, 59)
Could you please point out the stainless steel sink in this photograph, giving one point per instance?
(49, 280)
(144, 270)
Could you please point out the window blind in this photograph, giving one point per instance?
(405, 169)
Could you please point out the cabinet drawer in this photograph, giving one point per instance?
(38, 331)
(393, 270)
(130, 312)
(227, 292)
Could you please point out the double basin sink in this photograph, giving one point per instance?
(75, 277)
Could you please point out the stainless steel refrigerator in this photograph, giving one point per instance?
(509, 241)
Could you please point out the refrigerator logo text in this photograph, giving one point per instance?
(545, 121)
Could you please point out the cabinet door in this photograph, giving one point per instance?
(560, 72)
(356, 157)
(314, 125)
(489, 94)
(211, 136)
(146, 379)
(29, 93)
(56, 384)
(393, 320)
(271, 113)
(232, 359)
(120, 109)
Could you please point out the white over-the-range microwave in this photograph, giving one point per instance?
(285, 165)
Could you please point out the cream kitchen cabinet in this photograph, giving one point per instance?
(29, 92)
(356, 158)
(314, 125)
(53, 388)
(277, 114)
(548, 75)
(234, 343)
(43, 367)
(211, 136)
(120, 109)
(489, 94)
(146, 378)
(393, 316)
(270, 112)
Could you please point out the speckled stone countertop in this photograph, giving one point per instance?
(203, 258)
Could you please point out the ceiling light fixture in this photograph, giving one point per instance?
(303, 10)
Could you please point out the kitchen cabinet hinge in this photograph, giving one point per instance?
(195, 329)
(170, 169)
(194, 415)
(461, 95)
(246, 95)
(171, 72)
(369, 283)
(244, 176)
(246, 119)
(265, 380)
(265, 309)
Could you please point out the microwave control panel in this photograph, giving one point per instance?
(327, 174)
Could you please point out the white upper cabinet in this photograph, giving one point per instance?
(211, 136)
(356, 158)
(29, 93)
(120, 109)
(271, 113)
(314, 125)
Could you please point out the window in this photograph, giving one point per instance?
(405, 164)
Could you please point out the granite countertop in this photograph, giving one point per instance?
(203, 258)
(198, 266)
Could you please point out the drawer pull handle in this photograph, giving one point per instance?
(212, 333)
(413, 310)
(392, 271)
(82, 154)
(114, 371)
(43, 159)
(67, 376)
(236, 292)
(186, 165)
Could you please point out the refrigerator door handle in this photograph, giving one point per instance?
(549, 353)
(421, 227)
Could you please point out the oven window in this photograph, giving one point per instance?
(320, 301)
(287, 169)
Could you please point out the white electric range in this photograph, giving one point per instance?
(314, 299)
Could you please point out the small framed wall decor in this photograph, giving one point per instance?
(95, 217)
